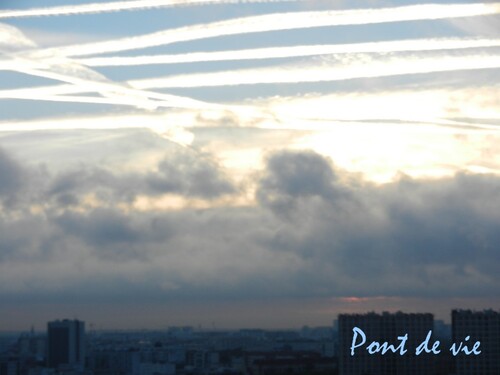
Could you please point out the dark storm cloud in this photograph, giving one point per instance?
(316, 231)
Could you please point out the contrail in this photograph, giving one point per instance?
(284, 74)
(141, 98)
(84, 80)
(117, 6)
(154, 122)
(448, 106)
(282, 21)
(160, 124)
(295, 51)
(87, 80)
(41, 94)
(78, 80)
(53, 90)
(57, 93)
(81, 78)
(311, 73)
(70, 99)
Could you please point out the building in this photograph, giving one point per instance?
(382, 328)
(8, 366)
(66, 344)
(482, 326)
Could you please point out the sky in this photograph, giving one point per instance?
(257, 163)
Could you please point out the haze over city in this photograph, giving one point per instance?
(242, 164)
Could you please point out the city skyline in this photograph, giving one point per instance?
(247, 163)
(67, 347)
(356, 344)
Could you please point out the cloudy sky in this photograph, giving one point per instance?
(247, 163)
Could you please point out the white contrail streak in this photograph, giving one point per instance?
(142, 99)
(284, 74)
(117, 91)
(295, 51)
(54, 90)
(311, 73)
(281, 21)
(70, 99)
(57, 93)
(84, 79)
(117, 6)
(158, 124)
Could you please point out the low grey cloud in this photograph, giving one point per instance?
(291, 176)
(182, 172)
(405, 238)
(315, 231)
(11, 174)
(190, 173)
(100, 228)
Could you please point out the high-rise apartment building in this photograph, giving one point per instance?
(482, 326)
(385, 327)
(66, 344)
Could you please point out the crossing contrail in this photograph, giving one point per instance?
(282, 74)
(295, 51)
(71, 99)
(281, 21)
(321, 73)
(157, 123)
(143, 99)
(117, 6)
(81, 78)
